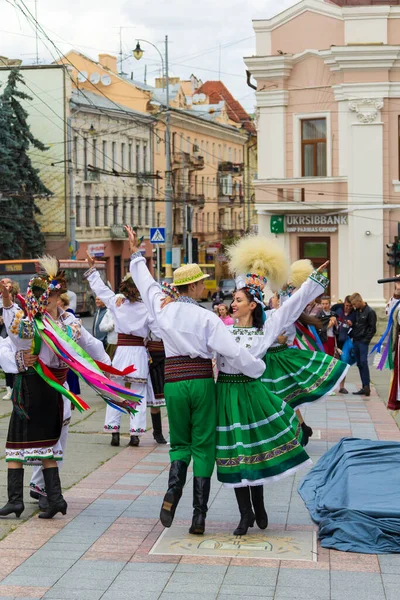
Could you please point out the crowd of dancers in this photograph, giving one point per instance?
(233, 389)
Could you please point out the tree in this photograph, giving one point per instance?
(20, 183)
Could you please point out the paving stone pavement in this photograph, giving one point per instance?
(100, 550)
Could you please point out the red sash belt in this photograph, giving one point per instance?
(182, 368)
(155, 346)
(60, 374)
(129, 340)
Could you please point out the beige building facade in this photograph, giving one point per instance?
(328, 110)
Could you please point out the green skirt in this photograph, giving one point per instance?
(301, 376)
(258, 435)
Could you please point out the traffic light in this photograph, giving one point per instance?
(393, 254)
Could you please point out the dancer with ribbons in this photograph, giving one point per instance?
(58, 341)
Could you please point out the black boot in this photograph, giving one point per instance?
(201, 493)
(247, 517)
(34, 495)
(43, 503)
(257, 498)
(15, 488)
(157, 428)
(115, 439)
(134, 441)
(54, 494)
(176, 481)
(307, 433)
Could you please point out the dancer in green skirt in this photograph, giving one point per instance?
(258, 434)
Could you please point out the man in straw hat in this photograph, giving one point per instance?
(191, 335)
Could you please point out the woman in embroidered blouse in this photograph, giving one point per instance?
(38, 411)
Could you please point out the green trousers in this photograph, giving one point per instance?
(192, 416)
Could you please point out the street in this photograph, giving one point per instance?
(103, 547)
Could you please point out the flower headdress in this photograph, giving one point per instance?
(128, 289)
(49, 278)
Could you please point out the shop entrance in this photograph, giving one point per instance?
(318, 250)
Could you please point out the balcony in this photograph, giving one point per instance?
(230, 167)
(186, 160)
(117, 232)
(198, 200)
(291, 195)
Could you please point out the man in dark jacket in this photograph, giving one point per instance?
(364, 329)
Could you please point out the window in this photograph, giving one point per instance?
(214, 158)
(137, 157)
(145, 158)
(226, 185)
(214, 189)
(104, 155)
(224, 154)
(132, 207)
(202, 186)
(105, 213)
(207, 150)
(146, 213)
(85, 157)
(124, 211)
(122, 157)
(230, 154)
(214, 222)
(78, 211)
(87, 211)
(157, 182)
(195, 185)
(76, 152)
(188, 144)
(113, 154)
(219, 153)
(181, 144)
(196, 222)
(208, 221)
(115, 210)
(97, 211)
(158, 219)
(94, 156)
(234, 155)
(130, 158)
(139, 212)
(208, 187)
(313, 147)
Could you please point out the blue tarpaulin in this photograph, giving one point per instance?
(353, 493)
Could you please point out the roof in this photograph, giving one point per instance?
(97, 101)
(216, 91)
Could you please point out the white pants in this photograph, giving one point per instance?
(37, 480)
(137, 424)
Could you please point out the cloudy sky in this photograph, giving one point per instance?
(206, 36)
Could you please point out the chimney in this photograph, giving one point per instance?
(109, 62)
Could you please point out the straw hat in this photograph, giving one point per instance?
(188, 274)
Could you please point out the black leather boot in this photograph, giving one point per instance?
(15, 489)
(157, 428)
(257, 498)
(201, 494)
(115, 439)
(43, 503)
(54, 494)
(134, 441)
(307, 433)
(176, 482)
(247, 517)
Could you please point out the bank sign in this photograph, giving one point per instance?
(307, 223)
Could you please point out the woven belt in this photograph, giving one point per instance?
(155, 346)
(233, 378)
(60, 375)
(182, 368)
(275, 349)
(129, 340)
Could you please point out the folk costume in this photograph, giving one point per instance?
(258, 434)
(156, 350)
(191, 336)
(38, 409)
(390, 356)
(132, 324)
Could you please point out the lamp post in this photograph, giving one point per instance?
(138, 53)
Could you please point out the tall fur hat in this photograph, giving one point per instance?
(300, 271)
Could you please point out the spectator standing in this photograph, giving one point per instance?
(217, 298)
(314, 308)
(224, 315)
(99, 315)
(329, 325)
(13, 289)
(345, 318)
(364, 329)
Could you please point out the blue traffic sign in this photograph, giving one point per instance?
(157, 235)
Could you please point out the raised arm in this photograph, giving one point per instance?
(98, 286)
(149, 289)
(290, 310)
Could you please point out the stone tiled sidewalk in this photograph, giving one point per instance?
(101, 549)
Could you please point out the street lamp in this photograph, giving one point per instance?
(138, 54)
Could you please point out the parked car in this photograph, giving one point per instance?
(227, 286)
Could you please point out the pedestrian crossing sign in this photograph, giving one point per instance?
(157, 235)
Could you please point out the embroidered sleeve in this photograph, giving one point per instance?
(19, 360)
(21, 327)
(136, 254)
(319, 278)
(89, 272)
